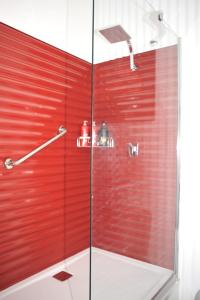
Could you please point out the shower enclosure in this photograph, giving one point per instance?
(89, 210)
(134, 182)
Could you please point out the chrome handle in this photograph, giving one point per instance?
(9, 163)
(133, 149)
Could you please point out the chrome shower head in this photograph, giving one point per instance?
(116, 34)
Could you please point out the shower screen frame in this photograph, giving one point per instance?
(167, 288)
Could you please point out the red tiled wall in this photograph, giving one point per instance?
(134, 199)
(44, 202)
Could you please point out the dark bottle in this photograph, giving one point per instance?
(103, 135)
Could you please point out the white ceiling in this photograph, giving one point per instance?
(67, 24)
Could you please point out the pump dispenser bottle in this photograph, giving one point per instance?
(85, 134)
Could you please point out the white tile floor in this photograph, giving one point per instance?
(114, 277)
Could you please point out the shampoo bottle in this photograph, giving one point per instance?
(85, 134)
(94, 133)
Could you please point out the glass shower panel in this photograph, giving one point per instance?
(134, 157)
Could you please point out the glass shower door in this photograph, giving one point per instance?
(134, 156)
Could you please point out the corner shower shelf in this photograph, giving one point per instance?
(80, 138)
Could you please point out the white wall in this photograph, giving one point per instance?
(65, 24)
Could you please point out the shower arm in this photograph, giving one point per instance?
(133, 67)
(9, 163)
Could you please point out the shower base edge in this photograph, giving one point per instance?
(129, 277)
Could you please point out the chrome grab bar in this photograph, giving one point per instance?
(9, 163)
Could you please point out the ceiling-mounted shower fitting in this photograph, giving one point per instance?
(133, 67)
(160, 16)
(116, 34)
(153, 42)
